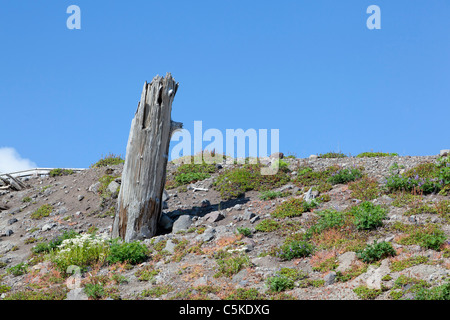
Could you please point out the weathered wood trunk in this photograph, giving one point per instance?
(144, 173)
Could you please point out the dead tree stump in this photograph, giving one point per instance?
(144, 173)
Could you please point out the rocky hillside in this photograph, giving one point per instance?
(321, 228)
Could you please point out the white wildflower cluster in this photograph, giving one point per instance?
(82, 251)
(82, 241)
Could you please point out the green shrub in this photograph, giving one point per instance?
(94, 291)
(365, 293)
(365, 189)
(307, 177)
(279, 283)
(328, 219)
(345, 176)
(27, 199)
(425, 178)
(157, 291)
(284, 279)
(376, 154)
(428, 236)
(437, 293)
(41, 212)
(246, 232)
(376, 251)
(133, 252)
(270, 195)
(235, 182)
(295, 249)
(294, 207)
(332, 155)
(83, 251)
(109, 160)
(230, 263)
(267, 225)
(368, 216)
(189, 173)
(18, 270)
(407, 263)
(60, 172)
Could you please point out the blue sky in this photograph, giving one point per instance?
(311, 69)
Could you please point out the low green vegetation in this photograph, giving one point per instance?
(42, 212)
(404, 285)
(365, 293)
(407, 263)
(267, 225)
(60, 172)
(376, 154)
(284, 279)
(346, 175)
(230, 263)
(424, 178)
(294, 207)
(294, 249)
(376, 251)
(270, 195)
(133, 252)
(189, 173)
(332, 155)
(365, 189)
(46, 247)
(368, 216)
(429, 236)
(109, 160)
(236, 181)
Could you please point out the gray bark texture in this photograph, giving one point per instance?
(144, 173)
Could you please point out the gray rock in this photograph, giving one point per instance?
(237, 207)
(313, 157)
(113, 187)
(207, 235)
(12, 221)
(94, 187)
(248, 214)
(345, 261)
(170, 246)
(48, 226)
(444, 152)
(8, 233)
(182, 223)
(14, 211)
(214, 216)
(330, 278)
(80, 197)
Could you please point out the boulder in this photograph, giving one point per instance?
(182, 223)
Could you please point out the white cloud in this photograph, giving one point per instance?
(10, 161)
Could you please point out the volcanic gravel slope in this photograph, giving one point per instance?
(186, 263)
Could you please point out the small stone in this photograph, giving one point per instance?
(277, 155)
(170, 246)
(248, 214)
(12, 221)
(80, 197)
(9, 233)
(94, 187)
(313, 157)
(254, 219)
(444, 152)
(330, 278)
